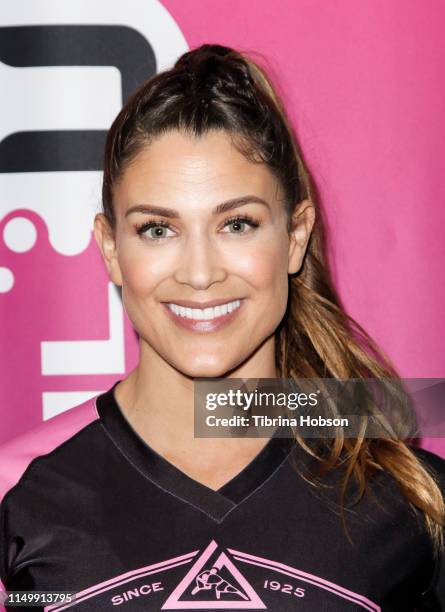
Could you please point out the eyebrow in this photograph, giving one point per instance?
(220, 208)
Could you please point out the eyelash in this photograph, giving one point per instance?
(141, 229)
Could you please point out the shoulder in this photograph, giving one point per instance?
(434, 464)
(17, 455)
(433, 598)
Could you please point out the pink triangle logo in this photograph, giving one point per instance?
(213, 585)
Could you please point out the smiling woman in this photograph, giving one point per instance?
(217, 236)
(212, 228)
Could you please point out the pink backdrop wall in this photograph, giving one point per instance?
(363, 82)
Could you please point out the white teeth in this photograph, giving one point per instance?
(206, 313)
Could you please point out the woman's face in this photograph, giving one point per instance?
(196, 221)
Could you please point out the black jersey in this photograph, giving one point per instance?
(88, 507)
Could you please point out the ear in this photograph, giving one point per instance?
(107, 245)
(302, 222)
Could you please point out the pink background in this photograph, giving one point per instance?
(363, 82)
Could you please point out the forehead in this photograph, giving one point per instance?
(183, 170)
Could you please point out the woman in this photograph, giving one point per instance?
(211, 227)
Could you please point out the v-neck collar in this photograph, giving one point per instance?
(215, 504)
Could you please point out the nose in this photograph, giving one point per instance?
(201, 263)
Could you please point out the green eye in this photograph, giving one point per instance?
(144, 230)
(240, 222)
(236, 225)
(158, 232)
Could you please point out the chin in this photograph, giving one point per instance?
(207, 369)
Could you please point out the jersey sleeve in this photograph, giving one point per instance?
(16, 458)
(3, 555)
(433, 599)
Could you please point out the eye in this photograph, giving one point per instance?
(238, 222)
(157, 230)
(157, 226)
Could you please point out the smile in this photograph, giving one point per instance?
(206, 314)
(204, 320)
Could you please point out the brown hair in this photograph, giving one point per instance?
(215, 87)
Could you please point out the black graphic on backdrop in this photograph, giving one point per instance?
(70, 45)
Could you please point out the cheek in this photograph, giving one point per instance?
(267, 271)
(141, 269)
(264, 267)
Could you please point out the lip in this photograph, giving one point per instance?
(204, 326)
(193, 304)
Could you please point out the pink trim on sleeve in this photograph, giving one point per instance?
(17, 454)
(2, 596)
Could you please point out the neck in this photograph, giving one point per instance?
(158, 401)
